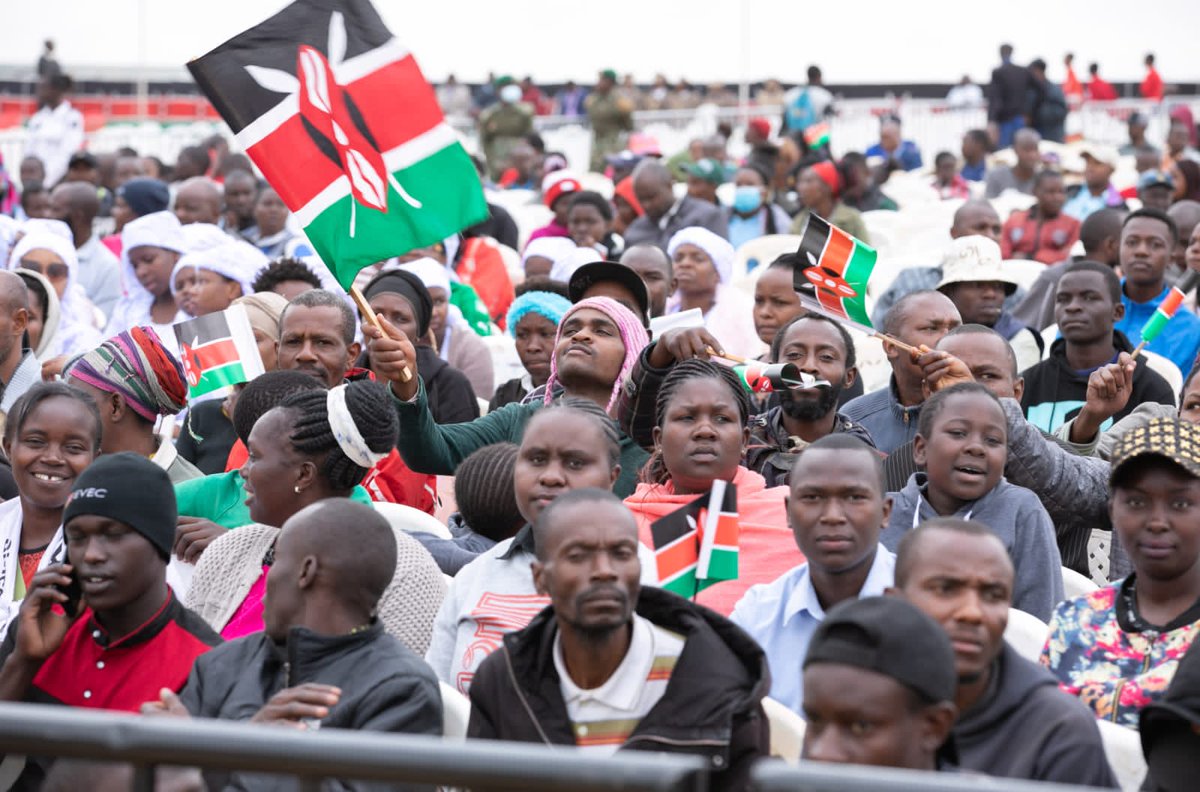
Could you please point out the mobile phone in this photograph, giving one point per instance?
(74, 594)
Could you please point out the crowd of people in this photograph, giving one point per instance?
(378, 521)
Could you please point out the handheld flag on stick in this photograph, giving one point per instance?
(336, 113)
(218, 350)
(831, 276)
(761, 378)
(817, 135)
(697, 546)
(1166, 309)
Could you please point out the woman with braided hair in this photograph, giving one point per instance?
(700, 436)
(315, 445)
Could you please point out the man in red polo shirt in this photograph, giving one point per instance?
(1044, 232)
(104, 629)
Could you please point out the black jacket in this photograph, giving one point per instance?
(1025, 727)
(207, 436)
(385, 688)
(1008, 94)
(1054, 392)
(712, 705)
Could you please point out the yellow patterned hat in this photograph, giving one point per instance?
(1176, 440)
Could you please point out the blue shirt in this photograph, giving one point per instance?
(907, 154)
(973, 172)
(744, 229)
(1179, 341)
(783, 615)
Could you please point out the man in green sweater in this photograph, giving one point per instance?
(598, 342)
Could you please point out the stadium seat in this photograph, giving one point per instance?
(1167, 370)
(872, 363)
(1026, 633)
(1075, 584)
(1123, 749)
(410, 520)
(787, 731)
(1026, 271)
(760, 252)
(456, 713)
(597, 182)
(1049, 336)
(512, 263)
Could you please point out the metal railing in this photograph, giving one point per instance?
(146, 742)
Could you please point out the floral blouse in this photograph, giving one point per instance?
(1102, 651)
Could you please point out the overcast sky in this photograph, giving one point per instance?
(853, 40)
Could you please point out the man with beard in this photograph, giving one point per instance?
(822, 348)
(836, 508)
(613, 666)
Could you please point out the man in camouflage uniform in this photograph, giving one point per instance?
(503, 125)
(611, 115)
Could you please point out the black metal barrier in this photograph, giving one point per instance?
(816, 777)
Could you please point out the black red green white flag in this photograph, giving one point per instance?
(832, 272)
(697, 546)
(218, 350)
(338, 116)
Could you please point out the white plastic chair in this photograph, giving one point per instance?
(1167, 370)
(456, 713)
(787, 731)
(410, 520)
(758, 253)
(1026, 633)
(512, 263)
(1026, 271)
(1049, 336)
(1075, 584)
(1123, 749)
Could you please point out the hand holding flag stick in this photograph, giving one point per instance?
(364, 308)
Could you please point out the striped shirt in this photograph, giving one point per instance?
(603, 718)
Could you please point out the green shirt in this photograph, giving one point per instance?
(222, 499)
(437, 449)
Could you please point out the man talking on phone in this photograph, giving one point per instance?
(105, 630)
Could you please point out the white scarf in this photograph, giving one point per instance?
(11, 518)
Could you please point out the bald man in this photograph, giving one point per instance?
(333, 560)
(19, 369)
(241, 189)
(975, 217)
(652, 184)
(198, 200)
(99, 272)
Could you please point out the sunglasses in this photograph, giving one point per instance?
(55, 271)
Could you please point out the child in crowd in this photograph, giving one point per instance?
(961, 445)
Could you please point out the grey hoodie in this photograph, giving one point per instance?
(1016, 516)
(1025, 727)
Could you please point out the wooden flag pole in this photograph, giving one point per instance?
(1137, 350)
(365, 309)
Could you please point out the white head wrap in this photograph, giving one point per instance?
(76, 331)
(431, 272)
(56, 227)
(40, 239)
(161, 229)
(717, 248)
(198, 237)
(565, 266)
(345, 431)
(552, 248)
(238, 261)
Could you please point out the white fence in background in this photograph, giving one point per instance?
(931, 123)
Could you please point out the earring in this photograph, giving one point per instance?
(296, 489)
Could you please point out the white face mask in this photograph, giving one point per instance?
(510, 93)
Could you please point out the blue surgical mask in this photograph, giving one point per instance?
(747, 199)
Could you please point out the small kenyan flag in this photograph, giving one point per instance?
(817, 135)
(832, 273)
(697, 546)
(218, 350)
(338, 116)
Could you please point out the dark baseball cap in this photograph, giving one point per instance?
(892, 637)
(85, 158)
(598, 271)
(1167, 437)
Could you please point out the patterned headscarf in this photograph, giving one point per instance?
(633, 336)
(136, 365)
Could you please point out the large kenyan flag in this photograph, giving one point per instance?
(337, 115)
(832, 272)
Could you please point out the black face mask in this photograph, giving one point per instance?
(810, 409)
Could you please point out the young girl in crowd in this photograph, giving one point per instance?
(961, 444)
(1118, 648)
(532, 322)
(315, 445)
(569, 445)
(700, 437)
(401, 297)
(51, 436)
(52, 255)
(209, 281)
(589, 220)
(152, 245)
(702, 263)
(775, 300)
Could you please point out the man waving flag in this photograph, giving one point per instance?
(336, 113)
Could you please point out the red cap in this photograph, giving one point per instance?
(624, 189)
(760, 125)
(828, 173)
(565, 185)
